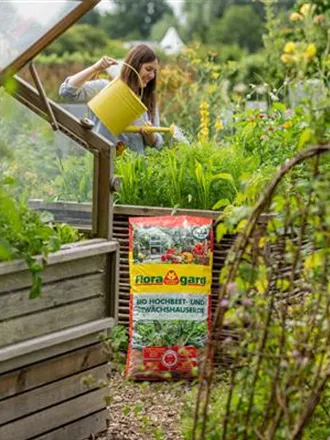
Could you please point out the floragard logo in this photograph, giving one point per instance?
(170, 279)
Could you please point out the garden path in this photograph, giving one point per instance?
(145, 410)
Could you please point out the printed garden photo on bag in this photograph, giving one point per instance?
(180, 244)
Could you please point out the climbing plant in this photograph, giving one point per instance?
(272, 316)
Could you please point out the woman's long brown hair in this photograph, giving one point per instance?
(137, 56)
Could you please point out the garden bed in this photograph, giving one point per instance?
(49, 345)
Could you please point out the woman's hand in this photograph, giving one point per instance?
(103, 64)
(150, 138)
(91, 72)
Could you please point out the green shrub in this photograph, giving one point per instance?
(24, 234)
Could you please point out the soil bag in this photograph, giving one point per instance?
(170, 262)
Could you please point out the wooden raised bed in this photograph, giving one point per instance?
(49, 344)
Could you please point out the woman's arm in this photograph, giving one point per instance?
(79, 79)
(79, 88)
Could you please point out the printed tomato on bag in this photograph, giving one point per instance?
(170, 306)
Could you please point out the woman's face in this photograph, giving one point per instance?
(148, 72)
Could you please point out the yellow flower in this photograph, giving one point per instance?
(285, 58)
(290, 47)
(211, 88)
(215, 75)
(295, 16)
(196, 61)
(306, 9)
(310, 51)
(287, 124)
(218, 125)
(203, 134)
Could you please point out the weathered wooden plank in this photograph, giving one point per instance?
(64, 256)
(13, 305)
(137, 211)
(81, 429)
(38, 204)
(56, 392)
(53, 417)
(121, 210)
(43, 347)
(41, 373)
(113, 284)
(22, 280)
(51, 320)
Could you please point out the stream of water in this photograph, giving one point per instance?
(180, 136)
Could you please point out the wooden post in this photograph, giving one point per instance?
(104, 166)
(96, 159)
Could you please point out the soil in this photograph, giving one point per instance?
(145, 410)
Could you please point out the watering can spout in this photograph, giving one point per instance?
(150, 129)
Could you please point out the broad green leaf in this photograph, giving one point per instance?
(35, 292)
(313, 261)
(5, 252)
(220, 231)
(279, 106)
(261, 286)
(221, 203)
(10, 85)
(305, 138)
(282, 284)
(8, 180)
(241, 225)
(224, 176)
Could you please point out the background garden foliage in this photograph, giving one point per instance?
(207, 91)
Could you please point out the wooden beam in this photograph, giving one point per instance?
(103, 201)
(15, 363)
(68, 124)
(51, 320)
(84, 428)
(55, 416)
(113, 285)
(95, 201)
(56, 338)
(51, 394)
(63, 256)
(43, 95)
(39, 373)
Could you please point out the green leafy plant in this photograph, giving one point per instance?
(169, 333)
(115, 345)
(193, 176)
(24, 235)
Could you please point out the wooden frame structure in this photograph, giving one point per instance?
(49, 345)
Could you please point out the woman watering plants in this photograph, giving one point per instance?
(82, 86)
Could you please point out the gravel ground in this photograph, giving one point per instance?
(145, 410)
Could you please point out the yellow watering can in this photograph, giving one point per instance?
(117, 106)
(150, 129)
